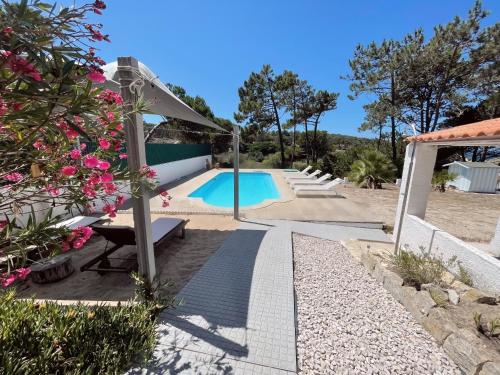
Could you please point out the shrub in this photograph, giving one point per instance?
(441, 178)
(337, 163)
(372, 169)
(46, 338)
(418, 269)
(273, 160)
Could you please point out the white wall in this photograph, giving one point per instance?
(172, 171)
(484, 269)
(166, 172)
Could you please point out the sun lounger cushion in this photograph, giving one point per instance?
(160, 227)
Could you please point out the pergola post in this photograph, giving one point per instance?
(128, 76)
(415, 185)
(236, 171)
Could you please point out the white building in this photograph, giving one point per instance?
(474, 176)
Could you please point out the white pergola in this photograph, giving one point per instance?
(135, 80)
(411, 229)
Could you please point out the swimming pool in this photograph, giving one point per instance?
(255, 187)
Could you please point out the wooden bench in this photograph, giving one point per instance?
(162, 229)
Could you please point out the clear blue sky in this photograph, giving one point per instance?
(210, 47)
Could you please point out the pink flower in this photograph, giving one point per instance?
(86, 232)
(107, 177)
(110, 116)
(3, 224)
(110, 97)
(7, 30)
(69, 170)
(8, 279)
(117, 145)
(104, 143)
(109, 209)
(53, 191)
(109, 188)
(65, 246)
(165, 204)
(72, 133)
(22, 273)
(113, 133)
(94, 179)
(39, 145)
(103, 165)
(83, 146)
(120, 200)
(89, 191)
(90, 161)
(78, 244)
(123, 156)
(13, 177)
(75, 154)
(96, 76)
(164, 193)
(119, 126)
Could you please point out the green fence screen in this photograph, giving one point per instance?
(157, 153)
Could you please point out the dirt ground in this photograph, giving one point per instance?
(471, 217)
(177, 261)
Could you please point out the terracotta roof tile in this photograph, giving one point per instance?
(481, 129)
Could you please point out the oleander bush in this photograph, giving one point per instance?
(46, 338)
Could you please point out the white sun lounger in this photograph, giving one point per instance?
(319, 181)
(303, 177)
(301, 173)
(326, 187)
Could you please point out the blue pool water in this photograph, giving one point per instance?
(254, 188)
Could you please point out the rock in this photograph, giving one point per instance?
(490, 368)
(427, 286)
(460, 287)
(378, 272)
(467, 350)
(393, 283)
(420, 305)
(487, 300)
(475, 295)
(439, 295)
(439, 324)
(453, 296)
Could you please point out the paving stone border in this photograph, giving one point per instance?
(467, 350)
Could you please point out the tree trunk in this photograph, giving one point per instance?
(484, 153)
(293, 145)
(307, 141)
(314, 146)
(278, 124)
(393, 119)
(379, 137)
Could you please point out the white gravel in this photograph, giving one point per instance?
(349, 324)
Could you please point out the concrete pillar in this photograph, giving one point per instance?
(495, 242)
(415, 182)
(127, 72)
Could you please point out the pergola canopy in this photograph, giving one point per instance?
(485, 132)
(161, 101)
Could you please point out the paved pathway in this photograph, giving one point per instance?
(238, 314)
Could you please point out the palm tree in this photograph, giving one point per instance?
(372, 169)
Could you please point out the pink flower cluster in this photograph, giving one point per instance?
(77, 238)
(98, 6)
(96, 76)
(165, 197)
(110, 97)
(19, 274)
(19, 65)
(13, 177)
